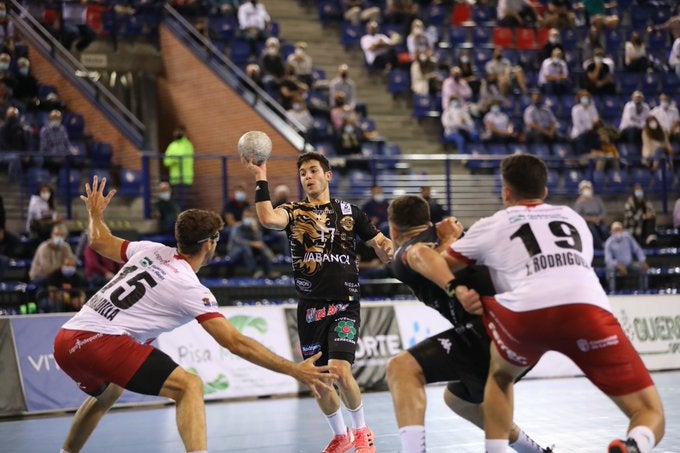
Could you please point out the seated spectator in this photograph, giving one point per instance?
(560, 15)
(15, 137)
(54, 143)
(254, 22)
(300, 114)
(623, 256)
(70, 27)
(339, 111)
(99, 270)
(247, 248)
(400, 12)
(350, 135)
(516, 13)
(376, 208)
(468, 72)
(418, 40)
(655, 144)
(6, 74)
(7, 32)
(378, 48)
(42, 213)
(674, 56)
(607, 154)
(292, 90)
(635, 54)
(437, 211)
(546, 52)
(342, 83)
(279, 238)
(633, 119)
(553, 77)
(272, 66)
(500, 71)
(50, 255)
(594, 39)
(356, 12)
(25, 91)
(455, 86)
(596, 14)
(585, 121)
(672, 24)
(459, 127)
(668, 116)
(301, 63)
(540, 124)
(591, 208)
(424, 75)
(64, 289)
(165, 210)
(254, 73)
(489, 94)
(234, 207)
(598, 79)
(497, 126)
(639, 217)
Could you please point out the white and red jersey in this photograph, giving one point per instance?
(538, 255)
(154, 292)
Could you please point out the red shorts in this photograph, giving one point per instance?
(94, 360)
(589, 335)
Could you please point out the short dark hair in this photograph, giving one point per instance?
(525, 175)
(306, 157)
(408, 211)
(194, 225)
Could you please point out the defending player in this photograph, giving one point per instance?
(105, 347)
(459, 355)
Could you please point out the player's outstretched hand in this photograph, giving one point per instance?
(469, 299)
(258, 170)
(316, 377)
(94, 197)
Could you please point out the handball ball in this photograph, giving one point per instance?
(255, 146)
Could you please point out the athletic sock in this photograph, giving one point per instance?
(198, 451)
(525, 444)
(337, 423)
(412, 439)
(357, 416)
(62, 451)
(644, 437)
(496, 445)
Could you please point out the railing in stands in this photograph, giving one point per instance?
(233, 76)
(73, 70)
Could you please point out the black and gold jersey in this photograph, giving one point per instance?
(323, 242)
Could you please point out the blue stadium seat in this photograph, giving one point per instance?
(598, 179)
(562, 150)
(458, 36)
(101, 173)
(617, 181)
(398, 82)
(74, 124)
(422, 105)
(367, 124)
(350, 34)
(572, 177)
(320, 130)
(670, 83)
(660, 14)
(35, 177)
(132, 26)
(628, 81)
(639, 15)
(650, 84)
(517, 148)
(480, 55)
(239, 52)
(662, 180)
(435, 15)
(224, 28)
(130, 183)
(657, 39)
(542, 151)
(481, 36)
(329, 11)
(553, 182)
(613, 39)
(327, 149)
(569, 38)
(610, 109)
(101, 155)
(629, 153)
(483, 13)
(68, 183)
(642, 176)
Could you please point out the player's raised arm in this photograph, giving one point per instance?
(99, 234)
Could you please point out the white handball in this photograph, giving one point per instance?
(255, 146)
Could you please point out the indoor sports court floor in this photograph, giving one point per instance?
(569, 413)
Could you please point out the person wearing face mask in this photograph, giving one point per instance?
(179, 160)
(234, 207)
(342, 83)
(7, 32)
(635, 114)
(455, 86)
(64, 289)
(424, 75)
(468, 72)
(655, 144)
(497, 126)
(272, 65)
(254, 23)
(376, 208)
(598, 77)
(585, 120)
(301, 63)
(668, 116)
(553, 78)
(554, 42)
(459, 128)
(54, 142)
(247, 248)
(639, 218)
(674, 56)
(501, 72)
(26, 89)
(635, 54)
(560, 15)
(624, 257)
(50, 255)
(6, 75)
(592, 209)
(418, 40)
(378, 48)
(165, 210)
(301, 114)
(540, 123)
(42, 213)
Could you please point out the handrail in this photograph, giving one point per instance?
(86, 80)
(267, 106)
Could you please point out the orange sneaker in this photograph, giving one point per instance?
(363, 440)
(340, 444)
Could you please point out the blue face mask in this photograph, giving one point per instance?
(4, 66)
(23, 71)
(68, 271)
(55, 124)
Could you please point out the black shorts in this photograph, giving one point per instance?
(329, 326)
(459, 355)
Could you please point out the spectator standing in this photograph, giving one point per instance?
(378, 49)
(584, 123)
(639, 217)
(623, 256)
(633, 119)
(668, 117)
(655, 144)
(64, 289)
(635, 54)
(553, 77)
(459, 127)
(342, 83)
(165, 209)
(50, 255)
(592, 209)
(54, 142)
(540, 124)
(179, 160)
(42, 213)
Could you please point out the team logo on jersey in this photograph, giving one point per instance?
(446, 344)
(303, 285)
(345, 208)
(209, 301)
(146, 262)
(347, 223)
(346, 330)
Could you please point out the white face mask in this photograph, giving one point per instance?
(587, 192)
(240, 196)
(379, 198)
(495, 108)
(664, 104)
(585, 101)
(598, 60)
(248, 221)
(57, 240)
(165, 196)
(45, 195)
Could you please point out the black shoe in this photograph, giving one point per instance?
(623, 446)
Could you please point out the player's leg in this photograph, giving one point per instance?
(647, 420)
(87, 418)
(406, 382)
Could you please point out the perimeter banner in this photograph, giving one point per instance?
(224, 374)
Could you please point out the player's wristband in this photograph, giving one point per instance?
(451, 287)
(262, 191)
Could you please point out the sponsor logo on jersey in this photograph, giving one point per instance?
(146, 262)
(310, 349)
(592, 345)
(512, 355)
(347, 223)
(303, 285)
(317, 314)
(345, 208)
(346, 331)
(318, 257)
(207, 302)
(446, 344)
